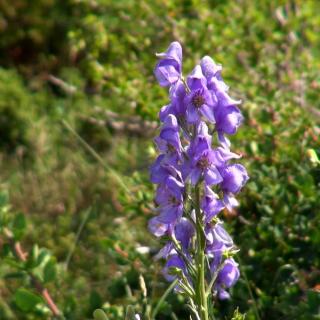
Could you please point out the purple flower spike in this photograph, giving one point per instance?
(168, 69)
(195, 177)
(234, 178)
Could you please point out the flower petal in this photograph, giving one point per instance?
(208, 113)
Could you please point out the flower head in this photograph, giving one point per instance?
(194, 174)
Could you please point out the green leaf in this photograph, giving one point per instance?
(43, 257)
(19, 226)
(33, 257)
(50, 271)
(95, 300)
(99, 315)
(26, 300)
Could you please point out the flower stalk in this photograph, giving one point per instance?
(201, 290)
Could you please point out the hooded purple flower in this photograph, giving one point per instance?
(227, 277)
(157, 227)
(234, 178)
(217, 235)
(184, 231)
(202, 160)
(224, 100)
(210, 68)
(174, 261)
(227, 115)
(169, 197)
(168, 141)
(218, 242)
(168, 69)
(199, 101)
(211, 204)
(228, 119)
(177, 106)
(161, 169)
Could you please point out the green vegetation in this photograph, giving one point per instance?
(88, 65)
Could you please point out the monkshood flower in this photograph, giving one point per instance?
(199, 100)
(218, 241)
(184, 231)
(235, 177)
(168, 141)
(211, 204)
(168, 69)
(176, 106)
(196, 179)
(227, 277)
(161, 170)
(169, 198)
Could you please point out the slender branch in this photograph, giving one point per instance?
(22, 256)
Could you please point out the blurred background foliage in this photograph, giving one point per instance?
(89, 64)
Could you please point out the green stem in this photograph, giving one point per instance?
(201, 297)
(163, 298)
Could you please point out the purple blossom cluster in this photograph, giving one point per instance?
(195, 155)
